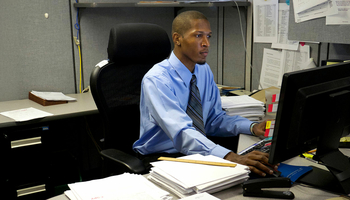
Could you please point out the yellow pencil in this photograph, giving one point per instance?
(198, 162)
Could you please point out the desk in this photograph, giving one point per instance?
(42, 154)
(236, 193)
(84, 105)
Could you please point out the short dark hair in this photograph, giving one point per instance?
(182, 22)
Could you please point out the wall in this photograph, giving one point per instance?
(39, 54)
(36, 53)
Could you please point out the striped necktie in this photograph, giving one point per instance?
(194, 107)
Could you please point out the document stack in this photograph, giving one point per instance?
(124, 187)
(244, 106)
(185, 179)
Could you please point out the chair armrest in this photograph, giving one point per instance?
(134, 164)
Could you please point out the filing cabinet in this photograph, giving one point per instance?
(38, 157)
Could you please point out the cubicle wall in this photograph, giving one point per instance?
(38, 53)
(35, 51)
(225, 59)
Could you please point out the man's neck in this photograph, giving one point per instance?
(189, 66)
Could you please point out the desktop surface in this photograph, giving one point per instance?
(236, 193)
(83, 106)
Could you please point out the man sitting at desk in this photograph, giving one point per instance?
(180, 102)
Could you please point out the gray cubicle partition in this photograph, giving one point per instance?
(334, 39)
(316, 30)
(226, 60)
(35, 51)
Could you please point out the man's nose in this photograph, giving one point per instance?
(205, 42)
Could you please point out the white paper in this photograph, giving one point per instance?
(244, 106)
(26, 114)
(265, 20)
(318, 11)
(282, 36)
(309, 64)
(190, 174)
(201, 196)
(184, 179)
(239, 101)
(343, 16)
(271, 69)
(120, 187)
(307, 4)
(53, 96)
(295, 60)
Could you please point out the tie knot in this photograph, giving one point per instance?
(193, 79)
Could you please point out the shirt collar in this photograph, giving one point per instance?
(181, 69)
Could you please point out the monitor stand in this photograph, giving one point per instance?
(336, 180)
(322, 179)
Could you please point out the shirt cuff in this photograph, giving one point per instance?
(220, 151)
(245, 127)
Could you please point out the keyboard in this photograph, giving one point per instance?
(263, 145)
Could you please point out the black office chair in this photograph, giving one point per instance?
(133, 48)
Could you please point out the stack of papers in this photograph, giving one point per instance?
(120, 187)
(185, 179)
(244, 106)
(53, 96)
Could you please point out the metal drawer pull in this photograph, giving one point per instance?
(31, 190)
(25, 142)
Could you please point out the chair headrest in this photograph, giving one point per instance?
(138, 43)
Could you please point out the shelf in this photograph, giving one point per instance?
(167, 4)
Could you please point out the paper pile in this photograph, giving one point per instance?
(53, 96)
(120, 187)
(185, 179)
(244, 106)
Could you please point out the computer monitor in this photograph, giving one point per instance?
(314, 112)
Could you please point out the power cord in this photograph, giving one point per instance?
(77, 42)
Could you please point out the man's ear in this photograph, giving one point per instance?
(177, 39)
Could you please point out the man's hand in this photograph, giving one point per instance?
(259, 129)
(255, 160)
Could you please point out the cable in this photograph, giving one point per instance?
(77, 42)
(245, 48)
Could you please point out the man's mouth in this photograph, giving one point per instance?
(205, 53)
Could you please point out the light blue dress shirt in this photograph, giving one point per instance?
(165, 126)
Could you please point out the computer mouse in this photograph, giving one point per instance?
(275, 173)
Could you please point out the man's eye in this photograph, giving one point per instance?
(198, 35)
(209, 36)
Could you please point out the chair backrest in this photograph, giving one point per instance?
(133, 48)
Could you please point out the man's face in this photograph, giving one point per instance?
(195, 43)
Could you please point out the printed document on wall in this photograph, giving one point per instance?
(295, 60)
(305, 5)
(282, 36)
(271, 71)
(265, 20)
(343, 16)
(317, 11)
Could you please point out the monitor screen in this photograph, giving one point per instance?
(314, 112)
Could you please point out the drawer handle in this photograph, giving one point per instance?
(25, 142)
(31, 190)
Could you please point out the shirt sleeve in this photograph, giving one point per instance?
(164, 109)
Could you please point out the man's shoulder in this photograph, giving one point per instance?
(160, 70)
